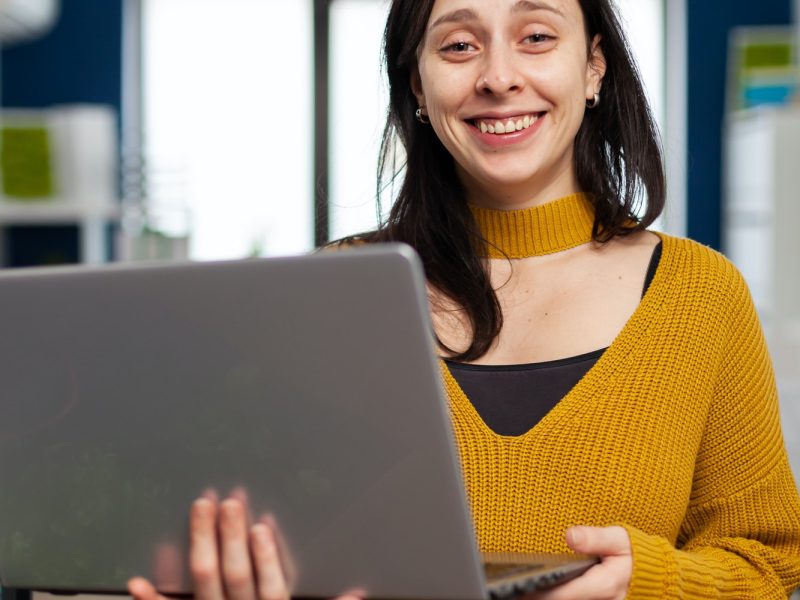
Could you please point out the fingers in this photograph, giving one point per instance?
(228, 560)
(284, 555)
(239, 493)
(203, 554)
(600, 541)
(237, 568)
(271, 582)
(210, 494)
(141, 589)
(608, 580)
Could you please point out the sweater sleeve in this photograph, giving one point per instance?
(740, 536)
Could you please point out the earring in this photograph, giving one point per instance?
(421, 117)
(594, 101)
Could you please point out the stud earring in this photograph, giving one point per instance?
(421, 117)
(594, 101)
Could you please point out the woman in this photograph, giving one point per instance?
(610, 387)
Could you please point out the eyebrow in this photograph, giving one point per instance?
(532, 5)
(466, 14)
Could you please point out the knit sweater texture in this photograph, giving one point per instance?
(674, 434)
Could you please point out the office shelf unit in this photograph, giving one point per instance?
(762, 237)
(762, 209)
(92, 223)
(59, 172)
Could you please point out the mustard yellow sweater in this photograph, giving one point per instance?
(673, 434)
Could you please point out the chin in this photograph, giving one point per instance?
(509, 180)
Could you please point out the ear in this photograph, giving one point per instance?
(596, 67)
(416, 86)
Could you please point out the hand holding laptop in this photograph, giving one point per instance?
(229, 557)
(608, 580)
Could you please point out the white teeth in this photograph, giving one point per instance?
(512, 125)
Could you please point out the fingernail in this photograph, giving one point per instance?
(240, 493)
(261, 533)
(230, 509)
(575, 536)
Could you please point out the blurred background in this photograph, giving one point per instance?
(222, 129)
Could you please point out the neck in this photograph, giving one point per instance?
(558, 181)
(544, 229)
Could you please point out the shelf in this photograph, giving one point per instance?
(54, 213)
(92, 220)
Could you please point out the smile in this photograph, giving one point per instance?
(504, 126)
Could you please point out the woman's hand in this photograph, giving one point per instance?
(608, 580)
(228, 558)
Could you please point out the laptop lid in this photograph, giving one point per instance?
(310, 382)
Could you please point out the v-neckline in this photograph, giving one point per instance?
(628, 337)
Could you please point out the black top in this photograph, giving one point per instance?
(512, 399)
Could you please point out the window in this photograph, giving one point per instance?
(228, 127)
(358, 102)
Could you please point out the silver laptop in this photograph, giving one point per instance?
(310, 382)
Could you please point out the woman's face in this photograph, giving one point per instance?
(505, 84)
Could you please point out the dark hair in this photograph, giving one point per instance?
(617, 156)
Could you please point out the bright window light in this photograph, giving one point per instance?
(359, 98)
(644, 25)
(228, 122)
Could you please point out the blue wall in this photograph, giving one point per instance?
(709, 23)
(78, 61)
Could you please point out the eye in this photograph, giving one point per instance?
(539, 38)
(458, 47)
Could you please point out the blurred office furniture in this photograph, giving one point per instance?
(59, 194)
(14, 594)
(25, 19)
(153, 231)
(762, 237)
(762, 67)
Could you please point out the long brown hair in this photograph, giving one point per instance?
(617, 155)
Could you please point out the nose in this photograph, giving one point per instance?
(500, 74)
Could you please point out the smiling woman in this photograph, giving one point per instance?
(534, 60)
(481, 65)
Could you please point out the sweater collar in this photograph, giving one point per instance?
(545, 229)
